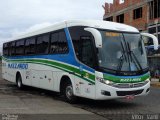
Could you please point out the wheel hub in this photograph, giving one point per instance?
(69, 92)
(19, 83)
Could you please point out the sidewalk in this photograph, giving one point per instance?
(155, 82)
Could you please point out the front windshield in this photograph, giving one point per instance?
(122, 52)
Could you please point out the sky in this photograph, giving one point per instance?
(21, 16)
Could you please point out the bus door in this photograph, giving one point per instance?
(87, 59)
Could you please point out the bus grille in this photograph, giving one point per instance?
(124, 93)
(129, 85)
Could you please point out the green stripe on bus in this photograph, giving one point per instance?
(117, 79)
(87, 76)
(64, 67)
(91, 81)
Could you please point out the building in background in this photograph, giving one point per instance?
(142, 14)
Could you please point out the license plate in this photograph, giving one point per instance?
(130, 97)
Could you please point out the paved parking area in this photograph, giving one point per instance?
(110, 109)
(33, 103)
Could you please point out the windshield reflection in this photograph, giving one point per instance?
(122, 52)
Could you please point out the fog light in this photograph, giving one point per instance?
(103, 92)
(147, 90)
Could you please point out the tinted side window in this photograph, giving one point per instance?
(5, 49)
(58, 43)
(30, 46)
(83, 45)
(54, 43)
(20, 47)
(11, 48)
(62, 44)
(159, 27)
(87, 56)
(43, 44)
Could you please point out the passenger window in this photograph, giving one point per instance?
(59, 43)
(30, 46)
(20, 47)
(63, 46)
(83, 45)
(43, 44)
(54, 43)
(12, 49)
(5, 49)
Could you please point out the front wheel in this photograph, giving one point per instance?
(68, 93)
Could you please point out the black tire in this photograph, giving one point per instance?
(19, 81)
(68, 93)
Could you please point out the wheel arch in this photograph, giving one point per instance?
(65, 79)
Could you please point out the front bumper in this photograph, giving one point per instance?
(104, 92)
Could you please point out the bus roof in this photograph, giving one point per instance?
(89, 23)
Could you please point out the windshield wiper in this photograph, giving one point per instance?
(135, 60)
(122, 58)
(123, 52)
(120, 63)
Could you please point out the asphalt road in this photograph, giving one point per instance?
(33, 102)
(126, 109)
(37, 104)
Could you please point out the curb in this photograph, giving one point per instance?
(155, 84)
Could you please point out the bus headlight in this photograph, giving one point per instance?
(109, 82)
(100, 79)
(104, 81)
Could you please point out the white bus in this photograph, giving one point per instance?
(94, 59)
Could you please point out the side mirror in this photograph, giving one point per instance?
(154, 38)
(97, 36)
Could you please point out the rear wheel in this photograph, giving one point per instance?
(19, 81)
(68, 93)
